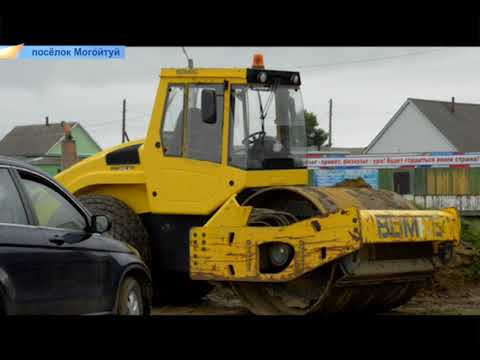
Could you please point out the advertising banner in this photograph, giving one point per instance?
(393, 161)
(330, 177)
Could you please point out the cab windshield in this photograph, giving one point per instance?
(267, 127)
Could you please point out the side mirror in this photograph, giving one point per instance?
(209, 106)
(101, 223)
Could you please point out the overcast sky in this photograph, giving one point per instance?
(367, 85)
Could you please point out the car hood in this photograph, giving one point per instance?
(110, 244)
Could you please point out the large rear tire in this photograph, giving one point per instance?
(169, 287)
(126, 225)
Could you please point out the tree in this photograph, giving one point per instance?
(315, 136)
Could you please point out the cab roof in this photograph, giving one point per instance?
(249, 75)
(205, 72)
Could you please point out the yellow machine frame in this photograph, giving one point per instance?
(227, 249)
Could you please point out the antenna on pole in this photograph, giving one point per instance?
(330, 102)
(189, 60)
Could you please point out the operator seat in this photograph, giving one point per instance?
(173, 143)
(204, 140)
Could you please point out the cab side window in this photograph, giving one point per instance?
(12, 210)
(172, 130)
(204, 139)
(239, 125)
(52, 209)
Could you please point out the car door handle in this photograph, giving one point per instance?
(57, 240)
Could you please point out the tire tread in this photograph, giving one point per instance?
(126, 225)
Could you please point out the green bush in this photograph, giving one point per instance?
(471, 231)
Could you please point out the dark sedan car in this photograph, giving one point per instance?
(53, 259)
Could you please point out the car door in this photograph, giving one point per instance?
(26, 267)
(82, 271)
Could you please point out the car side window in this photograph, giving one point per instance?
(12, 209)
(51, 208)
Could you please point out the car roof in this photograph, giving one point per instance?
(11, 162)
(8, 161)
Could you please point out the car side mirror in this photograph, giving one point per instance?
(209, 106)
(101, 224)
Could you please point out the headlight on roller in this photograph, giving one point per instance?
(279, 254)
(275, 257)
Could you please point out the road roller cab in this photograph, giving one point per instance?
(218, 192)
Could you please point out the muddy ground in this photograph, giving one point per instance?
(452, 292)
(442, 303)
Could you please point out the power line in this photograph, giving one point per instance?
(307, 68)
(143, 125)
(100, 123)
(139, 113)
(139, 117)
(312, 67)
(93, 125)
(101, 126)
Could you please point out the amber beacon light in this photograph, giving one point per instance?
(258, 61)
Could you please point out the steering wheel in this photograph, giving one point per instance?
(253, 138)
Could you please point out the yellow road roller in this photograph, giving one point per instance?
(217, 193)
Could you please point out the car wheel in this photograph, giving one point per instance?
(130, 300)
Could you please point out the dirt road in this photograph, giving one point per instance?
(415, 307)
(465, 302)
(450, 292)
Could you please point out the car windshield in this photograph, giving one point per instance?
(267, 127)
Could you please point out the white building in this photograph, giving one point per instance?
(430, 126)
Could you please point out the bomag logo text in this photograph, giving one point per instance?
(186, 71)
(401, 227)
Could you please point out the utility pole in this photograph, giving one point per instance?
(124, 113)
(330, 123)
